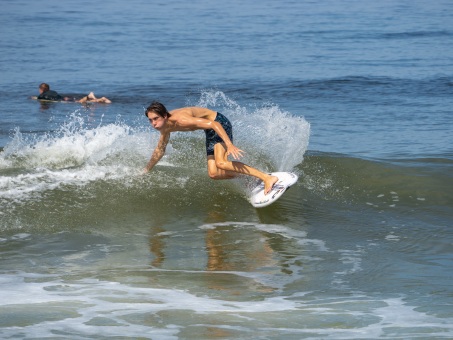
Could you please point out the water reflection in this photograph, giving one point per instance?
(233, 255)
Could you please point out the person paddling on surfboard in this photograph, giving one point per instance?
(219, 140)
(45, 93)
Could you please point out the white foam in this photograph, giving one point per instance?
(351, 258)
(66, 148)
(89, 307)
(269, 131)
(392, 237)
(74, 155)
(87, 300)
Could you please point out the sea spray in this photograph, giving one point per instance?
(271, 137)
(72, 155)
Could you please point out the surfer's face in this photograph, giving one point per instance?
(156, 121)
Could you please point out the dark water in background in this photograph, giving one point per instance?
(356, 97)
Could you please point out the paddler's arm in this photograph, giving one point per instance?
(158, 153)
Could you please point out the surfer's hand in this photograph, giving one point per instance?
(234, 151)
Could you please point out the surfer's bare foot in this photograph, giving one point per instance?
(269, 183)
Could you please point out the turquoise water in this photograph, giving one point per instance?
(355, 97)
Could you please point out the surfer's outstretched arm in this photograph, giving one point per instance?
(159, 152)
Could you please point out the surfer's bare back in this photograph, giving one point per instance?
(219, 140)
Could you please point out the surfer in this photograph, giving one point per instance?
(219, 140)
(45, 93)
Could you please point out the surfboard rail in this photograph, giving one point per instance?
(259, 200)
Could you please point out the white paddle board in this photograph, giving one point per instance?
(285, 179)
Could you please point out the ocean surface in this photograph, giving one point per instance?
(356, 97)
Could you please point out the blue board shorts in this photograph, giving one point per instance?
(212, 138)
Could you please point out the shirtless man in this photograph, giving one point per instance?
(219, 140)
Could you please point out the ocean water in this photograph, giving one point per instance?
(356, 97)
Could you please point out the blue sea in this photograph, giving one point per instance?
(356, 97)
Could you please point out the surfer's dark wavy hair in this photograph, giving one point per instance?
(45, 87)
(157, 108)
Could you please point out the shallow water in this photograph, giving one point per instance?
(355, 97)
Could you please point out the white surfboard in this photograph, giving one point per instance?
(285, 179)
